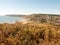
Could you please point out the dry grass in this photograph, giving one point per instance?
(29, 34)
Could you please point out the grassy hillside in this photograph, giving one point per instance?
(29, 34)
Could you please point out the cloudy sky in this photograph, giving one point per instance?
(29, 6)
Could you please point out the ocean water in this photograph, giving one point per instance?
(9, 19)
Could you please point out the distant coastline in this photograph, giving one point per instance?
(40, 18)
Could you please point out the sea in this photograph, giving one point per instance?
(10, 19)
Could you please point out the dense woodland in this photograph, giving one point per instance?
(29, 34)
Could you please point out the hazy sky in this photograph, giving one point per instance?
(29, 6)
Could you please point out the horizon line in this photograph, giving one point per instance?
(29, 14)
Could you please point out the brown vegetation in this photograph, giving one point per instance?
(29, 34)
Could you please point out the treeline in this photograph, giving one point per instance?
(29, 34)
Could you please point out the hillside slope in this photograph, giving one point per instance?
(29, 34)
